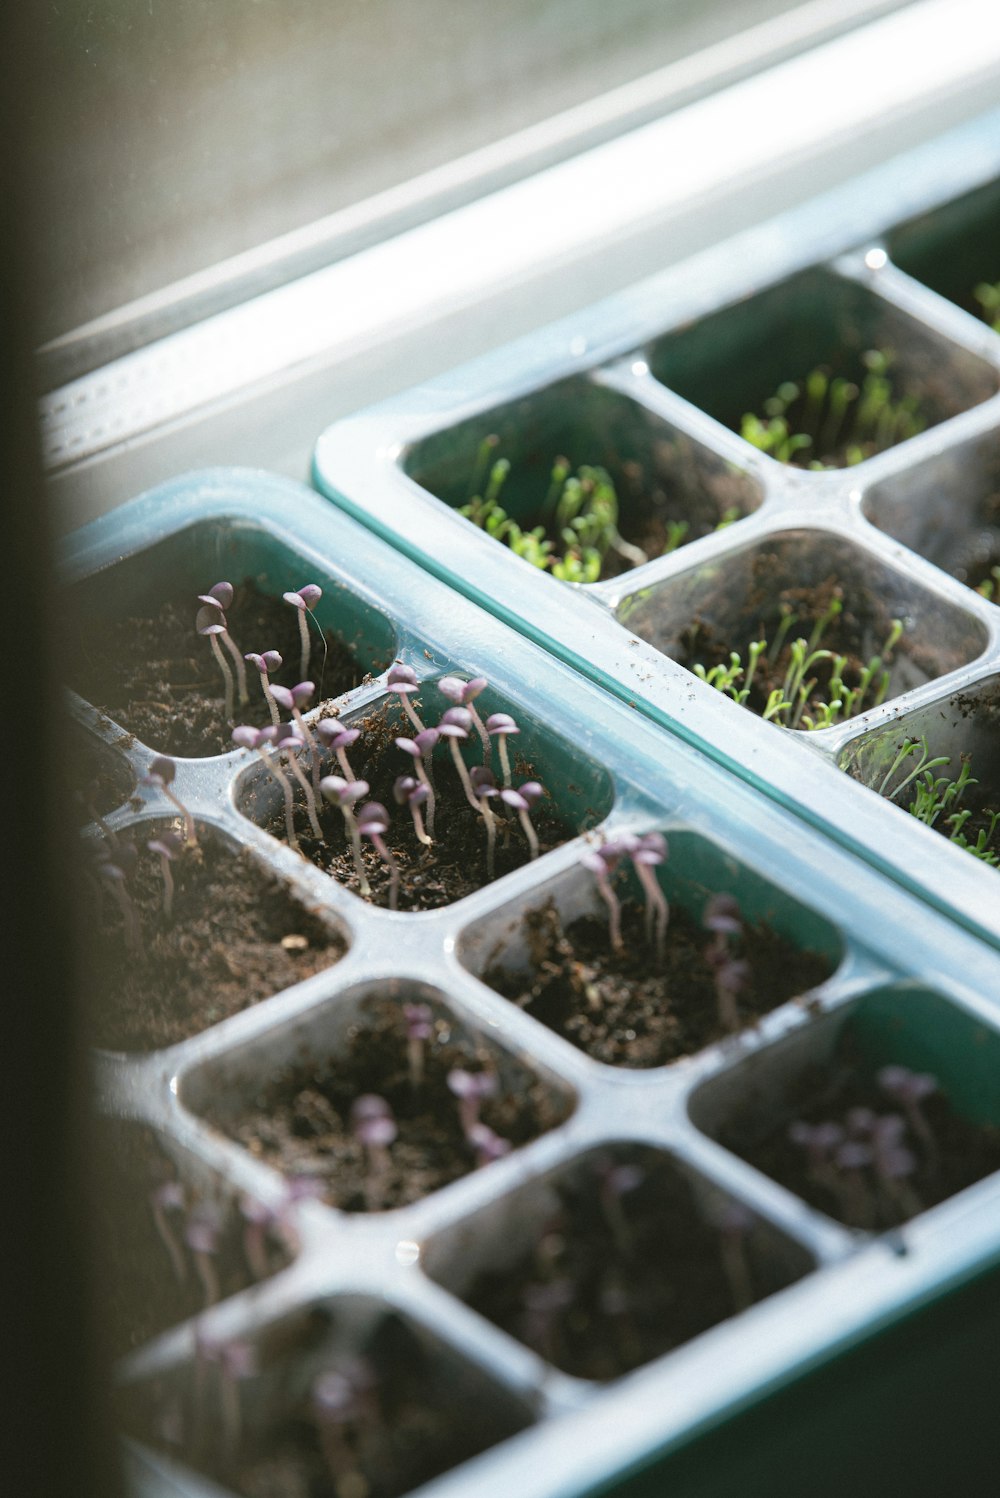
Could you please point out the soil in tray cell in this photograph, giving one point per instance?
(429, 877)
(156, 676)
(410, 1105)
(628, 1266)
(235, 936)
(166, 1251)
(629, 1009)
(871, 1150)
(373, 1421)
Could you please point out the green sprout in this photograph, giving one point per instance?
(988, 587)
(988, 297)
(797, 703)
(832, 422)
(576, 526)
(934, 799)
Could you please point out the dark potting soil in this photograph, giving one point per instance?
(237, 936)
(859, 632)
(963, 1151)
(429, 877)
(411, 1423)
(102, 781)
(620, 1009)
(299, 1119)
(140, 1292)
(625, 1268)
(157, 677)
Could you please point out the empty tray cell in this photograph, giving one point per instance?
(172, 1239)
(805, 593)
(948, 509)
(102, 780)
(182, 937)
(819, 370)
(667, 489)
(552, 953)
(614, 1259)
(872, 1114)
(137, 655)
(345, 1398)
(956, 797)
(576, 793)
(379, 1098)
(956, 251)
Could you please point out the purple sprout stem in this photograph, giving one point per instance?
(393, 866)
(480, 727)
(240, 664)
(272, 706)
(525, 820)
(227, 676)
(354, 833)
(614, 909)
(303, 780)
(204, 1264)
(314, 750)
(305, 644)
(168, 887)
(190, 834)
(657, 909)
(422, 775)
(166, 1233)
(286, 790)
(504, 759)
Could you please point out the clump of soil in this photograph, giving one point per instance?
(627, 1267)
(299, 1119)
(960, 1153)
(157, 677)
(400, 1418)
(621, 1008)
(429, 877)
(141, 1293)
(237, 936)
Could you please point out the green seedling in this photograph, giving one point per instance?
(831, 422)
(576, 526)
(987, 294)
(797, 703)
(935, 799)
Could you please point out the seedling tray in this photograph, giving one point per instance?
(653, 382)
(907, 984)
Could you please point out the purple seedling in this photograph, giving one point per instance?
(161, 775)
(909, 1089)
(258, 740)
(293, 700)
(420, 750)
(484, 788)
(412, 793)
(614, 1181)
(286, 738)
(472, 1088)
(339, 738)
(201, 1234)
(373, 822)
(454, 726)
(266, 663)
(522, 800)
(169, 1198)
(344, 793)
(403, 681)
(342, 1399)
(418, 1019)
(211, 623)
(114, 873)
(167, 847)
(602, 862)
(820, 1141)
(463, 694)
(894, 1163)
(851, 1159)
(220, 597)
(544, 1304)
(734, 1222)
(258, 1221)
(502, 726)
(304, 601)
(647, 855)
(488, 1144)
(722, 917)
(374, 1127)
